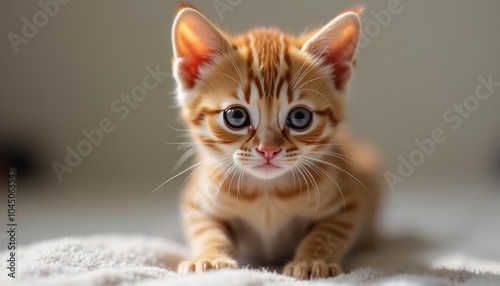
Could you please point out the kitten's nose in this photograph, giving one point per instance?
(268, 152)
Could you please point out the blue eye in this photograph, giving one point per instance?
(299, 118)
(236, 117)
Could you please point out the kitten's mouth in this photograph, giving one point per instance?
(267, 170)
(267, 166)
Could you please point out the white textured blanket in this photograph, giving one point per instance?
(135, 260)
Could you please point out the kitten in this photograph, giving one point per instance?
(277, 182)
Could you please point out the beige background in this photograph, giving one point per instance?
(65, 78)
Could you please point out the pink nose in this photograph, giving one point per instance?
(268, 152)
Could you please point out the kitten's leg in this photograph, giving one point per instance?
(211, 243)
(322, 248)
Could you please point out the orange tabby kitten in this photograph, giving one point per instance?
(276, 180)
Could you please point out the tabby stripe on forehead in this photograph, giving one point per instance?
(250, 74)
(279, 86)
(255, 56)
(289, 93)
(288, 75)
(283, 69)
(256, 67)
(259, 87)
(271, 72)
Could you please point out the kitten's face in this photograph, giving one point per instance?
(265, 102)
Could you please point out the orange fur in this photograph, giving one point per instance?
(270, 191)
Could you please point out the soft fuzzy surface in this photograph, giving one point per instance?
(135, 260)
(449, 237)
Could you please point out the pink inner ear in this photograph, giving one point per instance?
(193, 51)
(341, 42)
(190, 66)
(341, 74)
(341, 55)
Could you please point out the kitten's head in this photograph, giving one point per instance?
(264, 100)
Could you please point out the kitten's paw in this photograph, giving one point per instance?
(314, 269)
(205, 264)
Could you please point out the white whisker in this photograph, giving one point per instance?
(190, 168)
(232, 78)
(340, 169)
(219, 167)
(188, 154)
(339, 156)
(316, 190)
(329, 177)
(177, 129)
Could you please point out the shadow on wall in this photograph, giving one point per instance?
(21, 156)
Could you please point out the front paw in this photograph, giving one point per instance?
(206, 263)
(313, 269)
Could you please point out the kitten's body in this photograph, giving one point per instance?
(271, 191)
(267, 220)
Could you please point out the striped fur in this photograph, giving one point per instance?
(308, 209)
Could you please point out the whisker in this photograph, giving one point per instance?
(331, 178)
(188, 143)
(190, 168)
(311, 80)
(219, 167)
(315, 59)
(293, 177)
(224, 177)
(318, 196)
(241, 175)
(232, 78)
(339, 156)
(307, 185)
(233, 62)
(177, 129)
(315, 62)
(341, 169)
(312, 90)
(316, 190)
(310, 68)
(188, 154)
(333, 144)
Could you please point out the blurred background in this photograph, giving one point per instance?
(68, 69)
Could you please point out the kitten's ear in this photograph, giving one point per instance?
(335, 44)
(195, 43)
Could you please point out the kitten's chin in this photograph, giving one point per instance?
(267, 171)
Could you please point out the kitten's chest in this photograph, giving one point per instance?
(268, 230)
(271, 244)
